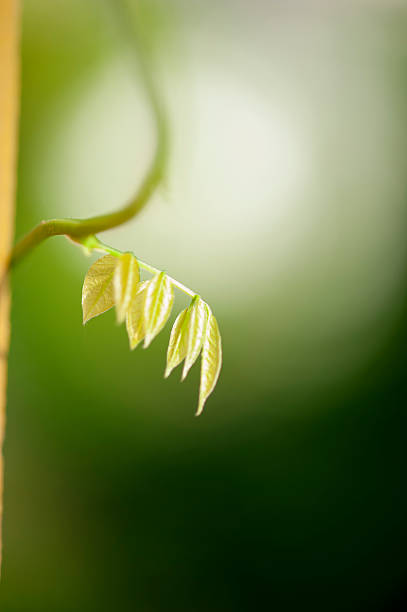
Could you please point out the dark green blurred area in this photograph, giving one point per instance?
(116, 497)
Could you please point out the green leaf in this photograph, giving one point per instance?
(211, 361)
(178, 345)
(157, 306)
(98, 291)
(125, 281)
(196, 332)
(135, 316)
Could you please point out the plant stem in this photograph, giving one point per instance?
(9, 90)
(80, 228)
(94, 244)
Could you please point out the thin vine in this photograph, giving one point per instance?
(114, 280)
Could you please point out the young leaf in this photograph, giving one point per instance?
(97, 292)
(125, 281)
(178, 345)
(196, 331)
(211, 361)
(135, 316)
(157, 306)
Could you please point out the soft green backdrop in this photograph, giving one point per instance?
(285, 207)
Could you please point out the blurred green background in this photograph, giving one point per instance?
(285, 207)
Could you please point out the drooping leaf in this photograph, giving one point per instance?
(135, 316)
(98, 292)
(178, 345)
(211, 361)
(157, 306)
(125, 281)
(196, 332)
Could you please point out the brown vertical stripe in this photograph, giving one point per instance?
(9, 69)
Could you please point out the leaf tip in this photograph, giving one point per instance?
(185, 371)
(200, 409)
(120, 316)
(147, 341)
(87, 316)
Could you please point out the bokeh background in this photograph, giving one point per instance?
(285, 206)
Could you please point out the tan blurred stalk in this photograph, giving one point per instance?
(9, 69)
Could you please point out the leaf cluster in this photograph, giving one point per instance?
(145, 307)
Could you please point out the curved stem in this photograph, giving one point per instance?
(80, 228)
